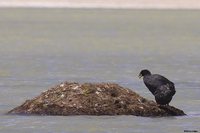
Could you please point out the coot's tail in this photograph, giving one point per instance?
(163, 94)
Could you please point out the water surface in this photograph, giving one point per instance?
(40, 48)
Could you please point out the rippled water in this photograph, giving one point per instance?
(40, 48)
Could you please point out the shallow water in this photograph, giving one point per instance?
(40, 48)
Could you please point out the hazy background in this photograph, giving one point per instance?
(167, 4)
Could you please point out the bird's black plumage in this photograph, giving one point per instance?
(162, 88)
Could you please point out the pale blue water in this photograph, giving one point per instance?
(40, 48)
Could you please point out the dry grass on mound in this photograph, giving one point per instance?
(92, 99)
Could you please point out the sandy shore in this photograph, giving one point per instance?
(147, 4)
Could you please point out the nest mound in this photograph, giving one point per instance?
(93, 99)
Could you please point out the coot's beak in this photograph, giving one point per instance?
(140, 75)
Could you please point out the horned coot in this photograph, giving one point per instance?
(160, 87)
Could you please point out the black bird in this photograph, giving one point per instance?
(160, 87)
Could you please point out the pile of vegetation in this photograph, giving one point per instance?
(93, 99)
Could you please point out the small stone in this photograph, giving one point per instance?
(45, 105)
(122, 102)
(44, 91)
(75, 88)
(62, 85)
(139, 100)
(99, 89)
(127, 90)
(46, 96)
(97, 92)
(141, 107)
(62, 96)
